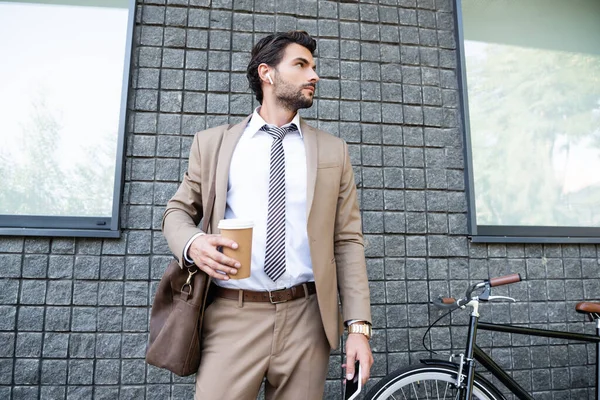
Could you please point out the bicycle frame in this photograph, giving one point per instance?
(474, 352)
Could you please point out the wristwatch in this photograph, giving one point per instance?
(361, 327)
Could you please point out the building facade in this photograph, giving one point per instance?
(74, 311)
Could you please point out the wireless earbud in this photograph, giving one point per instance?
(269, 78)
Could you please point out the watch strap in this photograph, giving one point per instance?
(361, 327)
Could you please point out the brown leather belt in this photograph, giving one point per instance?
(274, 297)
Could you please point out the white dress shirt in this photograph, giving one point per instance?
(247, 198)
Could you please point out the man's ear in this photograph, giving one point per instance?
(264, 73)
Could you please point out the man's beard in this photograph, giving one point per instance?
(291, 98)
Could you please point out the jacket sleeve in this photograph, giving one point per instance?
(353, 284)
(185, 210)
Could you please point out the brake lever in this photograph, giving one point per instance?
(500, 298)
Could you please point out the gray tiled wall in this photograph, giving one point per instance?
(74, 312)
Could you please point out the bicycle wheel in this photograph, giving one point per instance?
(428, 381)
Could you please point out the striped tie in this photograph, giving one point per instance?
(275, 245)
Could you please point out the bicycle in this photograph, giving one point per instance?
(441, 379)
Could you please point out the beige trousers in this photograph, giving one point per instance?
(244, 342)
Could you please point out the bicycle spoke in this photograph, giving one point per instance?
(402, 390)
(427, 389)
(415, 390)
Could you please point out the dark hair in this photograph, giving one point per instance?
(269, 50)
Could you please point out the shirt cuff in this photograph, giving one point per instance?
(187, 247)
(353, 321)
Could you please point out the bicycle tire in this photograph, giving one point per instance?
(420, 380)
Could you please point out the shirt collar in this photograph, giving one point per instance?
(257, 122)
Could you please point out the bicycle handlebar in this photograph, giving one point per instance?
(446, 303)
(449, 303)
(505, 280)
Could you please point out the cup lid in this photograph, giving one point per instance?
(235, 223)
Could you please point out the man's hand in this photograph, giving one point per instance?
(357, 348)
(207, 258)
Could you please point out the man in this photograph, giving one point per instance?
(296, 183)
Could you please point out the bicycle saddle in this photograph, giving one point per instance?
(589, 308)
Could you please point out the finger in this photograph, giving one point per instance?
(365, 370)
(221, 258)
(206, 254)
(205, 242)
(218, 266)
(211, 272)
(350, 366)
(218, 240)
(208, 265)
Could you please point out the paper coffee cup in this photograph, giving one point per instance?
(240, 231)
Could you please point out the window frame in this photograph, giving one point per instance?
(502, 233)
(78, 226)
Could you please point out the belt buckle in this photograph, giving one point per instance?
(271, 296)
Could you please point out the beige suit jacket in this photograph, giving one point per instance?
(334, 225)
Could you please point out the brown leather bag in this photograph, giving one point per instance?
(176, 320)
(178, 312)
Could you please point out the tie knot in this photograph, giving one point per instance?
(278, 133)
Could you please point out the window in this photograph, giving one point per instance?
(63, 78)
(531, 97)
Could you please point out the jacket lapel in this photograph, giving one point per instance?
(310, 144)
(230, 139)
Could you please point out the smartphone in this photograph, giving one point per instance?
(354, 386)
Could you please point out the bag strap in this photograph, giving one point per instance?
(211, 193)
(209, 206)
